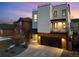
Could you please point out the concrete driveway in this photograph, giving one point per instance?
(36, 50)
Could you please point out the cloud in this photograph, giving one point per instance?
(34, 4)
(75, 13)
(12, 15)
(20, 13)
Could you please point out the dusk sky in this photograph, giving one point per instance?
(10, 12)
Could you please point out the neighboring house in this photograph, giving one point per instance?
(75, 25)
(22, 22)
(23, 30)
(6, 29)
(54, 22)
(75, 33)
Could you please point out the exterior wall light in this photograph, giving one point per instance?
(63, 43)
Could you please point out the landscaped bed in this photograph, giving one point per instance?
(5, 44)
(8, 49)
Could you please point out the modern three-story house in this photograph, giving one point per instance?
(52, 22)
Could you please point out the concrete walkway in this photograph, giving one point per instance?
(36, 50)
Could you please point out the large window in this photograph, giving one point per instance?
(64, 12)
(35, 17)
(55, 14)
(59, 26)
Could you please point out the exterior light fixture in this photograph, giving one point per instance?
(63, 41)
(39, 37)
(64, 23)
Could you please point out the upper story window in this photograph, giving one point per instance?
(64, 12)
(35, 17)
(55, 14)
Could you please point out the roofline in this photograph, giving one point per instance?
(61, 5)
(23, 19)
(44, 5)
(53, 5)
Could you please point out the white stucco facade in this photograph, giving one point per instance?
(44, 16)
(63, 12)
(46, 13)
(59, 9)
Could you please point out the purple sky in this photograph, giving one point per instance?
(11, 11)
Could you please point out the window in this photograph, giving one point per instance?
(35, 17)
(64, 12)
(64, 25)
(59, 26)
(55, 14)
(55, 25)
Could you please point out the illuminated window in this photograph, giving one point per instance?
(35, 17)
(55, 25)
(64, 25)
(64, 12)
(55, 14)
(59, 26)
